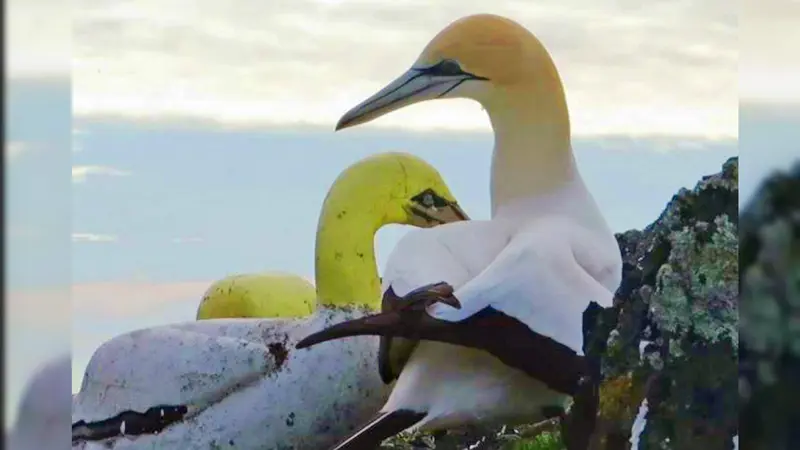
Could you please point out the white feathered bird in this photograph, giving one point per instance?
(512, 352)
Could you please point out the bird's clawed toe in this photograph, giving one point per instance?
(421, 298)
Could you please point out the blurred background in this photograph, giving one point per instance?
(186, 124)
(38, 203)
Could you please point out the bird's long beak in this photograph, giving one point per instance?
(414, 86)
(429, 217)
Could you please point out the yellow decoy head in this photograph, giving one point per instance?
(381, 189)
(390, 188)
(484, 57)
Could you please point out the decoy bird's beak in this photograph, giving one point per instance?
(438, 216)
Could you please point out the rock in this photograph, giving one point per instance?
(769, 356)
(671, 337)
(676, 340)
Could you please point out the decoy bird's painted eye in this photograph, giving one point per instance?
(429, 199)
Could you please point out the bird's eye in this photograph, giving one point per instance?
(449, 67)
(429, 199)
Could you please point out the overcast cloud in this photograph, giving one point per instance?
(667, 67)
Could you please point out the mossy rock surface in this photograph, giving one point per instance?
(677, 333)
(769, 355)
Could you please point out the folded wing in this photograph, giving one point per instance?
(526, 308)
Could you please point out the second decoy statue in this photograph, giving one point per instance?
(240, 383)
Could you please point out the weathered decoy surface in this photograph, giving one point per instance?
(239, 383)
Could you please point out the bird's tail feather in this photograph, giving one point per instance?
(380, 427)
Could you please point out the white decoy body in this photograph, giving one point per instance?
(43, 415)
(522, 277)
(239, 383)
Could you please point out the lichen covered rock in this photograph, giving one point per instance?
(677, 333)
(769, 355)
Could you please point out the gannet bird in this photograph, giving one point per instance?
(42, 419)
(500, 302)
(259, 295)
(239, 383)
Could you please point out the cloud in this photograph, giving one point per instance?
(128, 299)
(39, 34)
(664, 67)
(76, 135)
(90, 237)
(13, 149)
(660, 144)
(769, 47)
(81, 173)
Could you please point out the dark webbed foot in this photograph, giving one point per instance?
(400, 316)
(419, 299)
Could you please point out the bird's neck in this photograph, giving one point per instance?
(346, 272)
(532, 149)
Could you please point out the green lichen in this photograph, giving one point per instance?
(676, 334)
(698, 287)
(695, 308)
(545, 441)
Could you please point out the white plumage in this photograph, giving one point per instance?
(523, 279)
(542, 267)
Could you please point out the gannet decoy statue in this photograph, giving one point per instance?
(482, 320)
(258, 295)
(43, 416)
(239, 383)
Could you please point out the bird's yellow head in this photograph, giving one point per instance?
(483, 57)
(390, 188)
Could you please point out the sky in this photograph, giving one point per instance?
(192, 122)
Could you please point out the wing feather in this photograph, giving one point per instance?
(425, 256)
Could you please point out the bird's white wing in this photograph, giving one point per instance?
(430, 255)
(526, 307)
(426, 256)
(538, 281)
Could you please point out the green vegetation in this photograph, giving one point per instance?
(545, 441)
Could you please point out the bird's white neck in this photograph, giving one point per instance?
(532, 149)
